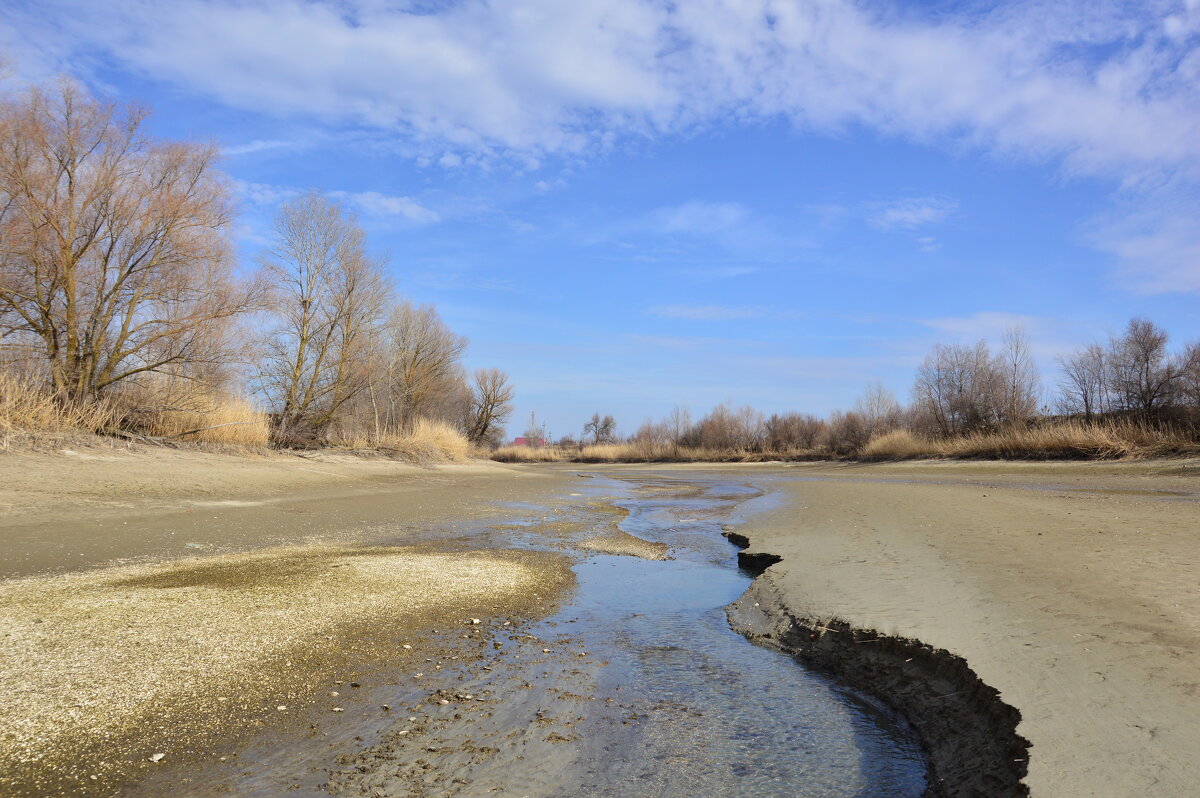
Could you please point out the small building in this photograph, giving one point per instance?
(523, 441)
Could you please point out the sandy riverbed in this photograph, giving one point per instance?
(1070, 588)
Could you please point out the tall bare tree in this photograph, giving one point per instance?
(328, 299)
(1021, 384)
(491, 405)
(115, 259)
(420, 372)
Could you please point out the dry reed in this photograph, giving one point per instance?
(1070, 439)
(27, 408)
(527, 454)
(227, 421)
(426, 441)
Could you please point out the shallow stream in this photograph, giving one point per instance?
(731, 718)
(637, 686)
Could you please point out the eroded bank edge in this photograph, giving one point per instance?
(969, 734)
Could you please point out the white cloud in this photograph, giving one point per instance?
(911, 213)
(258, 145)
(1157, 251)
(374, 203)
(1108, 86)
(264, 194)
(1101, 87)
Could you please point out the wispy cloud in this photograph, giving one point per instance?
(263, 194)
(371, 203)
(1157, 251)
(258, 145)
(911, 212)
(376, 204)
(1109, 87)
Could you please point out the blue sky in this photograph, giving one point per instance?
(631, 204)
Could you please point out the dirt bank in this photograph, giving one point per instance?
(1069, 588)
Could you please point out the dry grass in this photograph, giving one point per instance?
(899, 444)
(426, 442)
(1070, 439)
(227, 421)
(28, 410)
(528, 454)
(1066, 439)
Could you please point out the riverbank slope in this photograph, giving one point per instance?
(1070, 588)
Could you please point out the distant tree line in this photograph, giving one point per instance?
(959, 390)
(118, 283)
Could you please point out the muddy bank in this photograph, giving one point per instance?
(968, 732)
(1069, 588)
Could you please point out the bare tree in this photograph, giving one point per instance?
(847, 432)
(877, 410)
(419, 371)
(1142, 378)
(657, 433)
(960, 389)
(1189, 374)
(740, 429)
(602, 429)
(491, 405)
(679, 422)
(1021, 384)
(115, 259)
(329, 296)
(791, 431)
(1084, 388)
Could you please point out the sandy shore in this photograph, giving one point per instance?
(1070, 588)
(158, 606)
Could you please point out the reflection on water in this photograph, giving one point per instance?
(729, 718)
